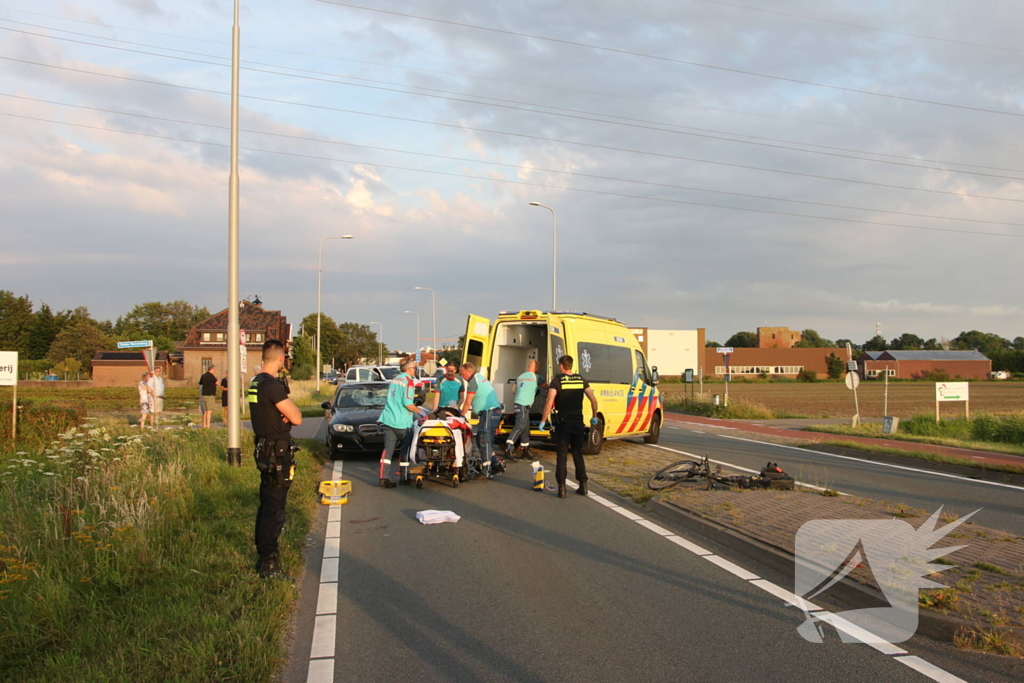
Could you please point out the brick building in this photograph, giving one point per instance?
(770, 361)
(124, 368)
(777, 337)
(206, 343)
(918, 364)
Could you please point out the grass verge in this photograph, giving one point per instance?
(129, 557)
(917, 455)
(736, 410)
(875, 431)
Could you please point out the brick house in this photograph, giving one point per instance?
(777, 338)
(124, 368)
(916, 364)
(771, 361)
(206, 343)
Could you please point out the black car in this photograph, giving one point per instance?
(352, 423)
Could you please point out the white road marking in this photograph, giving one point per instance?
(882, 464)
(930, 670)
(731, 567)
(327, 600)
(839, 623)
(737, 467)
(603, 501)
(321, 671)
(323, 637)
(325, 626)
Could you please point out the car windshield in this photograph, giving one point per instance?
(389, 373)
(361, 397)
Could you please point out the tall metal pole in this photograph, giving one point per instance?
(234, 454)
(554, 254)
(380, 343)
(433, 317)
(319, 273)
(417, 329)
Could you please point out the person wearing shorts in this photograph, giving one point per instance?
(156, 395)
(208, 394)
(143, 400)
(224, 396)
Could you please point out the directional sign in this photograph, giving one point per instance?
(724, 349)
(8, 368)
(135, 344)
(951, 391)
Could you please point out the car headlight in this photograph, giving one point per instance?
(343, 428)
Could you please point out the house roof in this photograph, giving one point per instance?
(251, 318)
(126, 356)
(870, 355)
(933, 355)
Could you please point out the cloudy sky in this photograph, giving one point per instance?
(824, 164)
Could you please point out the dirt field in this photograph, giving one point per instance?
(832, 399)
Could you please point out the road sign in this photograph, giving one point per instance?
(145, 344)
(728, 377)
(851, 366)
(688, 376)
(724, 349)
(243, 358)
(241, 337)
(419, 356)
(8, 368)
(951, 391)
(852, 380)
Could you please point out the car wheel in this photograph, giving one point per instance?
(655, 433)
(595, 439)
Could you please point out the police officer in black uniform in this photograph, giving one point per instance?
(565, 395)
(273, 415)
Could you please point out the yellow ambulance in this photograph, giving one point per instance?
(606, 354)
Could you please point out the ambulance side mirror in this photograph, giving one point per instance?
(654, 375)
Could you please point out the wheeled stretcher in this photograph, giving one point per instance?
(440, 447)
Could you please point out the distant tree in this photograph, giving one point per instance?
(932, 345)
(711, 344)
(1018, 343)
(302, 352)
(163, 323)
(15, 322)
(357, 342)
(807, 376)
(42, 332)
(743, 340)
(331, 341)
(81, 341)
(68, 368)
(841, 343)
(810, 339)
(876, 343)
(907, 342)
(986, 342)
(835, 366)
(75, 315)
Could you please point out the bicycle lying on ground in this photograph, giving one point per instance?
(771, 476)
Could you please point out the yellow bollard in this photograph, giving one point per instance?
(335, 492)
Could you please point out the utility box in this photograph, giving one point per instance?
(890, 424)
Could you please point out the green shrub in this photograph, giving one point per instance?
(736, 410)
(1007, 429)
(302, 372)
(807, 376)
(925, 425)
(937, 375)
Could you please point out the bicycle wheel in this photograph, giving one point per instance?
(673, 474)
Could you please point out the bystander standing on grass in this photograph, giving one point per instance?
(144, 403)
(208, 395)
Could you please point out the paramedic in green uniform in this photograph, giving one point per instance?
(396, 423)
(482, 399)
(565, 395)
(449, 389)
(527, 385)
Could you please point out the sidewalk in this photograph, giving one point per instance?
(759, 427)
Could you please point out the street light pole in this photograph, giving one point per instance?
(234, 454)
(433, 317)
(319, 274)
(554, 254)
(417, 329)
(380, 343)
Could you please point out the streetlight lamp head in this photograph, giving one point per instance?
(346, 237)
(407, 311)
(417, 288)
(534, 203)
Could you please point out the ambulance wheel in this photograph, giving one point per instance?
(595, 440)
(655, 433)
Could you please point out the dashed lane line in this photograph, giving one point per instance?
(325, 625)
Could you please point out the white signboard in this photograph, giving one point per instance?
(144, 344)
(724, 349)
(243, 358)
(8, 368)
(852, 380)
(951, 391)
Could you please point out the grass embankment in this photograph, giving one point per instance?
(917, 455)
(130, 557)
(997, 434)
(736, 410)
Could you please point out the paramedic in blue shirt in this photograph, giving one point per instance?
(448, 390)
(396, 424)
(482, 400)
(527, 385)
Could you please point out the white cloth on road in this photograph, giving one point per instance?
(436, 516)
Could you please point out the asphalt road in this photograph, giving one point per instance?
(1001, 505)
(528, 587)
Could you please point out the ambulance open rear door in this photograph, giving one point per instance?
(477, 346)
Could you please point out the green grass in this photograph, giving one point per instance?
(133, 560)
(939, 437)
(918, 455)
(736, 410)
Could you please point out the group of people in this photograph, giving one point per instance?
(151, 397)
(208, 395)
(463, 390)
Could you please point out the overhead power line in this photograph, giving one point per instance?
(518, 105)
(674, 60)
(519, 167)
(516, 182)
(526, 136)
(848, 24)
(532, 84)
